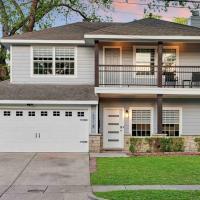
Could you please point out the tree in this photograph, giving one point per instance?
(26, 15)
(150, 15)
(163, 5)
(180, 20)
(17, 16)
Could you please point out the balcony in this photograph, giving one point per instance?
(149, 76)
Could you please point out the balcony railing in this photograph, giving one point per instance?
(147, 76)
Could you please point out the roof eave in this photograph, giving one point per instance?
(25, 41)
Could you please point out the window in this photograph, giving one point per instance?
(6, 113)
(80, 114)
(44, 113)
(19, 113)
(31, 113)
(65, 61)
(68, 114)
(54, 60)
(169, 57)
(42, 60)
(146, 59)
(171, 122)
(56, 113)
(141, 122)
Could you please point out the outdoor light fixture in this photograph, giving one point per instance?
(127, 114)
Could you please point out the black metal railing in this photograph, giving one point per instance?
(141, 75)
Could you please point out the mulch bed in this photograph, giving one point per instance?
(93, 165)
(165, 154)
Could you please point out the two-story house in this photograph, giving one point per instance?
(100, 80)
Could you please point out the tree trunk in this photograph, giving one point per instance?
(32, 15)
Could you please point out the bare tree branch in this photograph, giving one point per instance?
(32, 16)
(5, 18)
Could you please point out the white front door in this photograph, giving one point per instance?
(113, 134)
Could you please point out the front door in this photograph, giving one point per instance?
(113, 134)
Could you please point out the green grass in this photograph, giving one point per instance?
(172, 170)
(150, 195)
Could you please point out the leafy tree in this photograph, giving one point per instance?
(154, 16)
(17, 16)
(26, 15)
(163, 5)
(180, 20)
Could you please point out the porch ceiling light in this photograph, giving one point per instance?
(127, 114)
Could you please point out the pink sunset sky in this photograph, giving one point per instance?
(129, 11)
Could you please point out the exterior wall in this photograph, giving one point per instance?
(95, 143)
(190, 112)
(189, 54)
(21, 68)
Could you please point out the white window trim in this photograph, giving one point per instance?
(112, 47)
(11, 63)
(130, 119)
(180, 117)
(134, 59)
(177, 52)
(53, 74)
(156, 54)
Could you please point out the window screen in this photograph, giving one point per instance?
(141, 122)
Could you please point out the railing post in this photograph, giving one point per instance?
(96, 63)
(159, 73)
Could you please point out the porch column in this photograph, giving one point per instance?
(96, 63)
(159, 73)
(159, 113)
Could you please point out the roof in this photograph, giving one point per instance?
(73, 31)
(10, 91)
(150, 27)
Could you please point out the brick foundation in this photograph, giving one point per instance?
(95, 143)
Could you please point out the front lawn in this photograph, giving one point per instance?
(150, 195)
(172, 170)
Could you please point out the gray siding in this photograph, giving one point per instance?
(189, 54)
(190, 112)
(21, 68)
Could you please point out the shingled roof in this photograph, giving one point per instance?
(149, 26)
(74, 31)
(143, 27)
(10, 91)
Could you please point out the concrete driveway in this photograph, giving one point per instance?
(44, 176)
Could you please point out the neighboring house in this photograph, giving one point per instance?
(70, 84)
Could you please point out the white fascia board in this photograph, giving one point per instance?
(48, 102)
(138, 91)
(13, 41)
(167, 37)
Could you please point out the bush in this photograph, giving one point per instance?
(158, 144)
(197, 140)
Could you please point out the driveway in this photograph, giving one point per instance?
(44, 176)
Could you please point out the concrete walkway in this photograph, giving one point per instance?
(108, 188)
(44, 176)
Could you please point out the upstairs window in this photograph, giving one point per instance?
(145, 59)
(54, 61)
(43, 61)
(65, 61)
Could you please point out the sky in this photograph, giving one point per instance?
(126, 12)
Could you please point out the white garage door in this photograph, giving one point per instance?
(44, 130)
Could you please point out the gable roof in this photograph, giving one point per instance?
(81, 30)
(149, 26)
(73, 31)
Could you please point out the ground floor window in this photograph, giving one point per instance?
(141, 122)
(171, 122)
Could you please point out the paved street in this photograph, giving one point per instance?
(44, 176)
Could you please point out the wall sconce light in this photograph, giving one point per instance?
(127, 114)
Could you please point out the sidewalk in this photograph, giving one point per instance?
(108, 188)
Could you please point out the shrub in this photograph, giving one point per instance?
(158, 144)
(197, 140)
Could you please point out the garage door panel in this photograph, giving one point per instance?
(44, 131)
